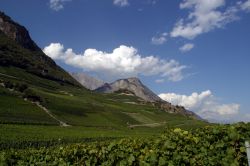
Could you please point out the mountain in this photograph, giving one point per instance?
(19, 50)
(133, 85)
(35, 90)
(17, 32)
(88, 81)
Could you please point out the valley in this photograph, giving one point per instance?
(49, 116)
(103, 115)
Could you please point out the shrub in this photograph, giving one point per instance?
(21, 87)
(9, 85)
(31, 95)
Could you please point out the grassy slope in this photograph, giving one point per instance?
(16, 110)
(80, 107)
(90, 114)
(36, 62)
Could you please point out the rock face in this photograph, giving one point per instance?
(134, 85)
(17, 32)
(19, 50)
(163, 105)
(88, 81)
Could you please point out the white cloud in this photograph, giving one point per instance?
(204, 16)
(159, 80)
(159, 39)
(186, 47)
(54, 50)
(204, 104)
(121, 3)
(123, 62)
(228, 109)
(57, 4)
(245, 5)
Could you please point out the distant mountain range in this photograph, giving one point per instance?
(131, 86)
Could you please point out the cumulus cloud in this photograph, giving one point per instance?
(122, 62)
(57, 4)
(186, 47)
(228, 109)
(245, 5)
(159, 39)
(204, 16)
(204, 104)
(121, 3)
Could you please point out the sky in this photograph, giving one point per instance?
(194, 53)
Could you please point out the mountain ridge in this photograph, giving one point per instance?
(15, 40)
(134, 86)
(27, 73)
(17, 32)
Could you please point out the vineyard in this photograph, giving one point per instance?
(210, 145)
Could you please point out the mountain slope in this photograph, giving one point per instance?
(19, 50)
(133, 85)
(31, 85)
(17, 33)
(88, 81)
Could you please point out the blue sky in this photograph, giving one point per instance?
(194, 53)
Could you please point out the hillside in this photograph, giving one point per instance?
(134, 87)
(124, 83)
(19, 50)
(73, 105)
(37, 97)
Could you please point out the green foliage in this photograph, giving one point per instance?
(15, 86)
(26, 136)
(211, 145)
(21, 87)
(8, 84)
(32, 95)
(79, 107)
(16, 110)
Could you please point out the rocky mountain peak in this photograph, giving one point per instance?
(16, 32)
(136, 87)
(133, 85)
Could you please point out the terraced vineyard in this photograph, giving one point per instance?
(75, 106)
(91, 116)
(41, 105)
(48, 118)
(211, 145)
